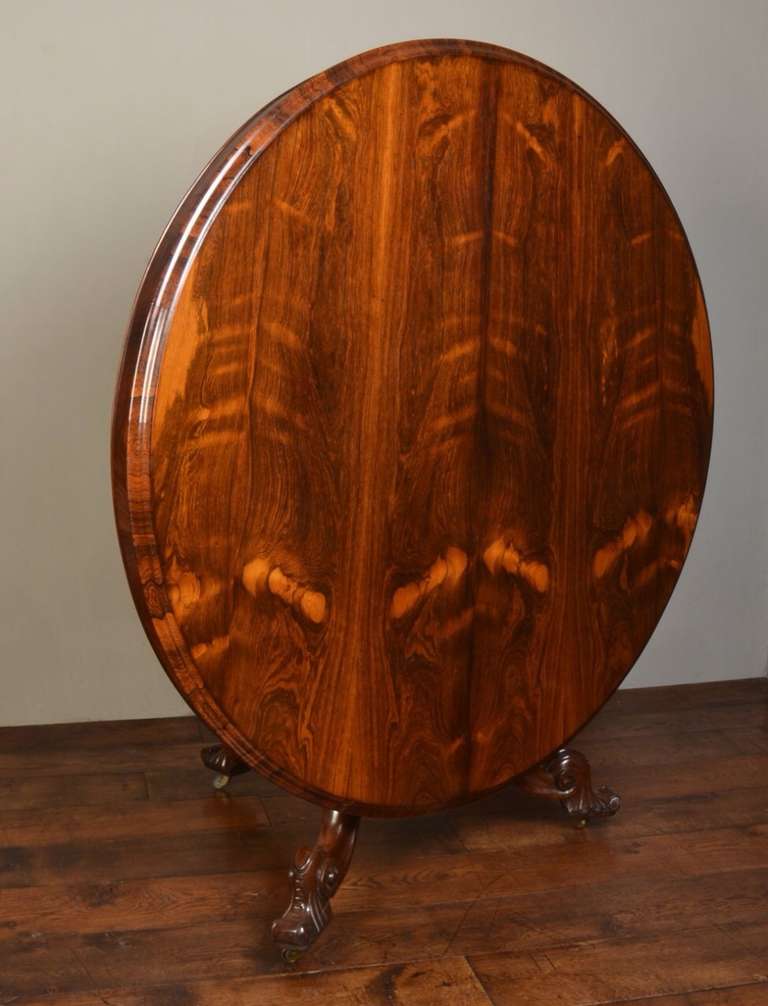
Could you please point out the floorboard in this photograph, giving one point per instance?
(126, 880)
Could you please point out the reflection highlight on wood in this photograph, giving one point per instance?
(635, 530)
(446, 572)
(127, 880)
(259, 577)
(413, 426)
(502, 555)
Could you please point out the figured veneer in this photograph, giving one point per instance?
(412, 428)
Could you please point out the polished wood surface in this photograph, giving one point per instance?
(566, 776)
(413, 425)
(126, 879)
(315, 878)
(317, 873)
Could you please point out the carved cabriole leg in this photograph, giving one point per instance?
(566, 776)
(222, 760)
(315, 877)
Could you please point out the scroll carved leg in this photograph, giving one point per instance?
(222, 760)
(567, 777)
(315, 877)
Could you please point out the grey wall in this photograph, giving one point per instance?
(109, 109)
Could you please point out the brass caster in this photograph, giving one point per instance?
(223, 762)
(581, 823)
(290, 954)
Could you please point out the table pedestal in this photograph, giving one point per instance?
(317, 873)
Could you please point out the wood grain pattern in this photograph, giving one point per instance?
(412, 427)
(625, 970)
(178, 912)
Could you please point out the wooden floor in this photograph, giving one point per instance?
(127, 880)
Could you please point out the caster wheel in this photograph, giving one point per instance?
(290, 954)
(220, 781)
(581, 823)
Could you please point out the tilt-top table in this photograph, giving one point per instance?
(410, 438)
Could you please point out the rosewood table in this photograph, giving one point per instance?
(410, 439)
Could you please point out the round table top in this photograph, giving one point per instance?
(412, 426)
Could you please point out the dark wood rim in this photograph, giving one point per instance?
(143, 351)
